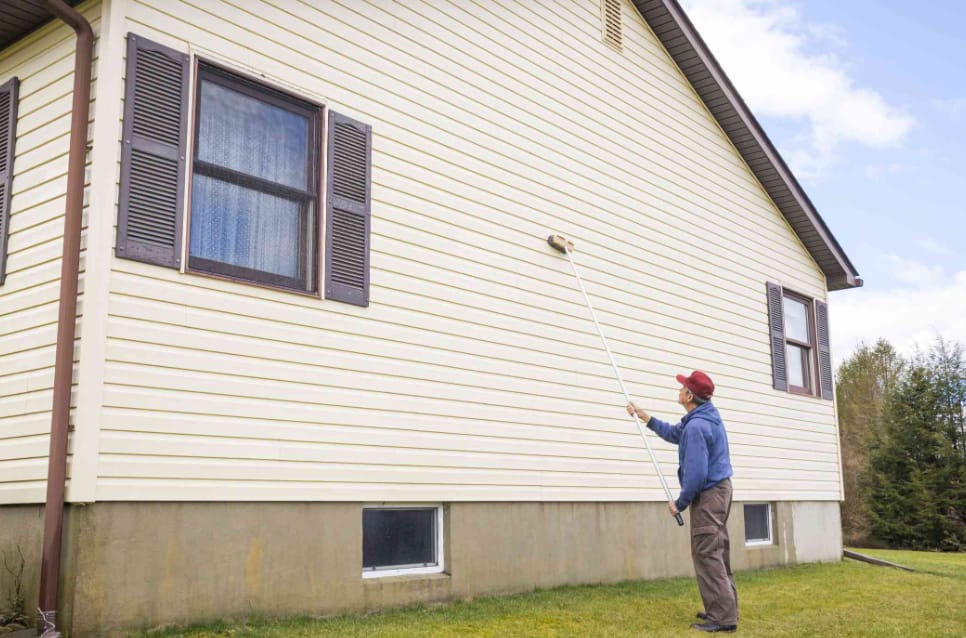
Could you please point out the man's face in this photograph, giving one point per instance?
(684, 396)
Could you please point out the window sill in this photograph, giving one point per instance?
(404, 578)
(800, 393)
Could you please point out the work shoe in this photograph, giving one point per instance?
(710, 627)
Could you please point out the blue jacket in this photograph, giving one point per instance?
(703, 457)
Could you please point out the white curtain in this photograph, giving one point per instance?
(235, 225)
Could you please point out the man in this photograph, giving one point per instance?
(704, 473)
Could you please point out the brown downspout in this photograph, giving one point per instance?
(64, 359)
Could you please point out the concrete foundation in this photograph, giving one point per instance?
(134, 566)
(21, 532)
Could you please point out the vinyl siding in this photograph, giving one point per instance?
(44, 62)
(476, 372)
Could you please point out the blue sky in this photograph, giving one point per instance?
(866, 101)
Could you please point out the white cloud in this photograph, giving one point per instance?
(907, 316)
(771, 56)
(879, 171)
(931, 246)
(910, 271)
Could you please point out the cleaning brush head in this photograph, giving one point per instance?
(561, 243)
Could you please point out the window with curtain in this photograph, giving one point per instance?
(254, 183)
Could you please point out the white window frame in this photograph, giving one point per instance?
(771, 535)
(438, 568)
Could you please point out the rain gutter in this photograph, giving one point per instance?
(67, 318)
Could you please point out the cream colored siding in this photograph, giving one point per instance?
(476, 373)
(44, 62)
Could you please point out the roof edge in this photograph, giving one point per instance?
(694, 58)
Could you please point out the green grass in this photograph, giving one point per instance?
(828, 600)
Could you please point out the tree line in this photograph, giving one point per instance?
(902, 422)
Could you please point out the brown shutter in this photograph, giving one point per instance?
(776, 322)
(824, 350)
(8, 137)
(151, 210)
(347, 210)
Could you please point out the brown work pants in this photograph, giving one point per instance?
(711, 553)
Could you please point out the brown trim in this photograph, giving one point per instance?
(823, 352)
(812, 388)
(776, 336)
(189, 177)
(349, 207)
(242, 273)
(67, 315)
(688, 50)
(251, 182)
(151, 195)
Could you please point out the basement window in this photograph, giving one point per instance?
(401, 540)
(758, 524)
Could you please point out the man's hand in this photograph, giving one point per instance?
(672, 508)
(641, 414)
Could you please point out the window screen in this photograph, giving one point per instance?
(396, 538)
(758, 523)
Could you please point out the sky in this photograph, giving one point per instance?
(866, 101)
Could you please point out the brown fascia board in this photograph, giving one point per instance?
(22, 17)
(685, 46)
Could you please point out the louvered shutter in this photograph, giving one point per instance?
(776, 322)
(347, 210)
(151, 211)
(824, 350)
(8, 136)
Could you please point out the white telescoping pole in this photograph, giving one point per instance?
(620, 379)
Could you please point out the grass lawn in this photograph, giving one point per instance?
(829, 600)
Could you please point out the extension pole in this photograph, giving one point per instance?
(566, 247)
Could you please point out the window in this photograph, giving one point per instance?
(758, 524)
(798, 343)
(801, 358)
(254, 204)
(255, 177)
(402, 540)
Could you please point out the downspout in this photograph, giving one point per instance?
(67, 317)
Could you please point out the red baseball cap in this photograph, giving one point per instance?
(699, 383)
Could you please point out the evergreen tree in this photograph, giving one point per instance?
(949, 480)
(916, 485)
(864, 383)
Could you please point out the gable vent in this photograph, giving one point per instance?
(610, 12)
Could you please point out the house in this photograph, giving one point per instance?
(323, 359)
